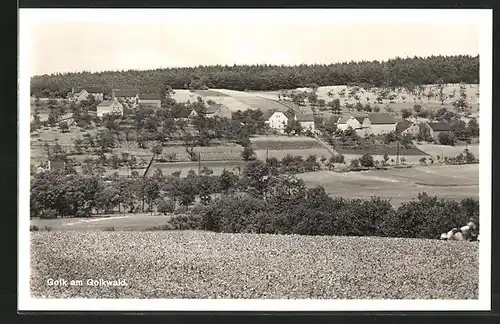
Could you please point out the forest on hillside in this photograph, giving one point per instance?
(367, 74)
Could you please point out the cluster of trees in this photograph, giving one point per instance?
(394, 72)
(291, 208)
(60, 193)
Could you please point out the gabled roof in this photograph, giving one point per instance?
(305, 117)
(268, 113)
(105, 103)
(149, 96)
(344, 119)
(381, 118)
(440, 127)
(125, 93)
(403, 125)
(212, 109)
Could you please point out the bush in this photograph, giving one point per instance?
(49, 214)
(447, 138)
(316, 213)
(109, 229)
(185, 222)
(248, 154)
(34, 228)
(166, 206)
(367, 160)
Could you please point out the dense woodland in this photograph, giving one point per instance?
(391, 73)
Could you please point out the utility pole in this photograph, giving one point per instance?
(199, 162)
(397, 154)
(267, 154)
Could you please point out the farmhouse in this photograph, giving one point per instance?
(84, 94)
(306, 121)
(381, 123)
(355, 122)
(277, 119)
(437, 128)
(406, 127)
(109, 107)
(127, 96)
(150, 100)
(218, 110)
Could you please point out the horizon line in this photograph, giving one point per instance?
(252, 64)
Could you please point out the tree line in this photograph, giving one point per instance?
(395, 72)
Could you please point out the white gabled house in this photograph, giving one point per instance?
(109, 107)
(277, 119)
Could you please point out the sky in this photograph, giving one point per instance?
(70, 45)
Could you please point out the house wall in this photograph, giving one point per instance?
(115, 107)
(278, 121)
(363, 131)
(382, 128)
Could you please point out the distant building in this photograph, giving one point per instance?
(355, 122)
(306, 121)
(406, 127)
(277, 119)
(84, 94)
(437, 128)
(109, 107)
(381, 123)
(127, 96)
(218, 110)
(151, 100)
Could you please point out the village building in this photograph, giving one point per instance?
(126, 96)
(84, 94)
(306, 121)
(358, 122)
(437, 128)
(219, 110)
(150, 100)
(381, 123)
(405, 127)
(277, 119)
(109, 107)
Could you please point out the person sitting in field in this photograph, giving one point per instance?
(464, 233)
(453, 235)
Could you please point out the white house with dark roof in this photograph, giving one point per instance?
(277, 119)
(381, 123)
(306, 121)
(152, 100)
(109, 107)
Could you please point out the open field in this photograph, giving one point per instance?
(400, 185)
(450, 151)
(280, 146)
(101, 222)
(402, 100)
(204, 265)
(390, 150)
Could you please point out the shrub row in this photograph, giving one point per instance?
(318, 214)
